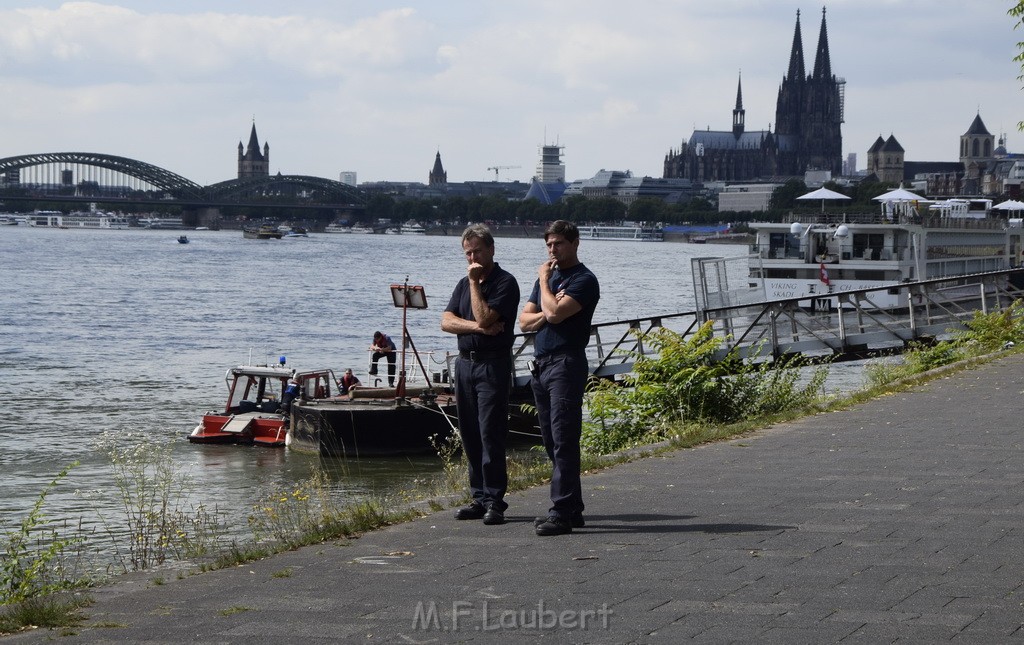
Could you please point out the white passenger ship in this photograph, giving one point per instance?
(635, 233)
(820, 256)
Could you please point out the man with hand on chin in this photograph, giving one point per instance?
(481, 312)
(561, 309)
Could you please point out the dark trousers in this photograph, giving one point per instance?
(481, 396)
(391, 364)
(558, 389)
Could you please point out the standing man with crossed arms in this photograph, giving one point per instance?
(482, 311)
(561, 309)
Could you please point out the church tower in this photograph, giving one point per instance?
(821, 135)
(809, 111)
(437, 176)
(738, 114)
(251, 162)
(976, 151)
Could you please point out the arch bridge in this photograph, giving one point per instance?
(89, 176)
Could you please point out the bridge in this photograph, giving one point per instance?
(84, 177)
(776, 328)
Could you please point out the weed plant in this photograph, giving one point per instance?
(680, 385)
(39, 559)
(158, 523)
(983, 334)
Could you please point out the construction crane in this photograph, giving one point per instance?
(497, 168)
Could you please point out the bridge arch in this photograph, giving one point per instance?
(49, 168)
(317, 189)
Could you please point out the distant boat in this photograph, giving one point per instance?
(265, 232)
(297, 231)
(412, 227)
(636, 233)
(182, 239)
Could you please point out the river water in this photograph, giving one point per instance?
(128, 332)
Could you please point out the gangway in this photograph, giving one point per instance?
(771, 329)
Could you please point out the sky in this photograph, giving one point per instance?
(378, 87)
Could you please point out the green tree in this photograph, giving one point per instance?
(1017, 11)
(785, 195)
(648, 209)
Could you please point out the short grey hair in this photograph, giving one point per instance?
(478, 231)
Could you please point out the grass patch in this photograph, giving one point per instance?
(237, 609)
(53, 612)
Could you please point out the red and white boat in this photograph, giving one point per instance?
(255, 411)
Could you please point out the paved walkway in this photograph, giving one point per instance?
(901, 519)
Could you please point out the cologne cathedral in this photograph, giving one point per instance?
(807, 136)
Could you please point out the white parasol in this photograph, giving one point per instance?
(823, 194)
(899, 195)
(1010, 205)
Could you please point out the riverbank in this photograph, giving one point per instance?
(864, 522)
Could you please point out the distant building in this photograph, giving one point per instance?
(746, 197)
(347, 177)
(886, 160)
(251, 162)
(808, 119)
(626, 188)
(983, 167)
(550, 168)
(437, 176)
(850, 165)
(546, 193)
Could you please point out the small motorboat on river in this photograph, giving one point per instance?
(257, 404)
(313, 417)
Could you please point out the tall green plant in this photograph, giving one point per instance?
(682, 382)
(158, 522)
(35, 554)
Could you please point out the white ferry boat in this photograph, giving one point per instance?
(162, 223)
(96, 219)
(633, 232)
(412, 227)
(338, 227)
(823, 255)
(46, 219)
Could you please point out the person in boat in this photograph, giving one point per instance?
(349, 381)
(291, 392)
(383, 347)
(482, 313)
(560, 309)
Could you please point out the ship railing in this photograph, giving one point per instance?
(840, 325)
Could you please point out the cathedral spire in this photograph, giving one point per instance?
(796, 56)
(437, 175)
(822, 63)
(738, 114)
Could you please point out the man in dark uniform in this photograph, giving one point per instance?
(561, 309)
(482, 311)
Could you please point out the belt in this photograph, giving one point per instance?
(479, 355)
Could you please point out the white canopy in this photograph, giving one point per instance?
(1010, 205)
(899, 195)
(823, 193)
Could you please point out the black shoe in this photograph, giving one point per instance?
(373, 371)
(494, 516)
(472, 512)
(577, 521)
(554, 526)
